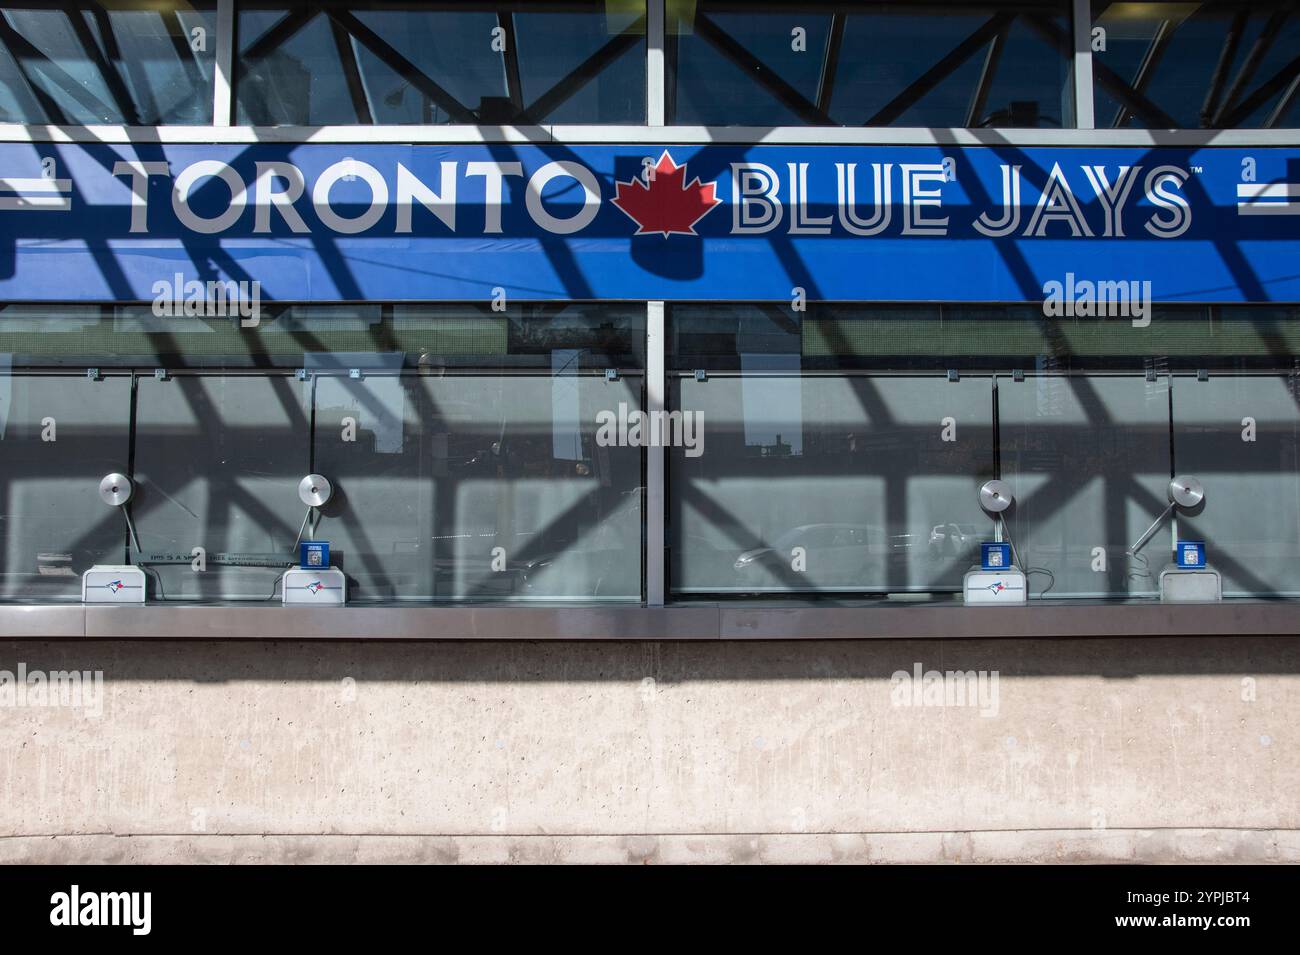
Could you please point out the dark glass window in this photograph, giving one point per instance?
(133, 62)
(1220, 65)
(952, 64)
(358, 62)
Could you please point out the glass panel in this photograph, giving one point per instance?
(431, 63)
(1088, 460)
(977, 63)
(1241, 436)
(292, 337)
(59, 435)
(935, 337)
(829, 484)
(444, 428)
(481, 487)
(1220, 65)
(135, 62)
(217, 464)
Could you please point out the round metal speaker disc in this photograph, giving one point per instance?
(1186, 491)
(115, 489)
(995, 496)
(314, 490)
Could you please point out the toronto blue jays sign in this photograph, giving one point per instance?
(325, 222)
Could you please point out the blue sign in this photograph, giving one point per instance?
(1191, 554)
(995, 556)
(314, 555)
(1077, 228)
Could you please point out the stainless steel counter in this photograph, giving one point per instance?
(883, 619)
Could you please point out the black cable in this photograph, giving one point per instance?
(1145, 573)
(1041, 570)
(150, 570)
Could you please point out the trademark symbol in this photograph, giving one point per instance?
(1197, 170)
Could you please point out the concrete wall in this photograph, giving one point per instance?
(1107, 749)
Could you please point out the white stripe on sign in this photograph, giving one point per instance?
(35, 185)
(1267, 190)
(1268, 208)
(36, 203)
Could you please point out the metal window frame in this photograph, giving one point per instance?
(648, 135)
(1081, 25)
(223, 78)
(656, 76)
(656, 541)
(828, 622)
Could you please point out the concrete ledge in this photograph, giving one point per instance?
(694, 621)
(1142, 846)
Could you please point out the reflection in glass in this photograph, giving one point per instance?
(464, 487)
(984, 63)
(461, 442)
(1240, 435)
(1087, 458)
(289, 337)
(980, 337)
(853, 487)
(431, 63)
(59, 435)
(218, 459)
(1224, 65)
(132, 62)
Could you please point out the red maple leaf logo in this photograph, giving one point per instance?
(664, 202)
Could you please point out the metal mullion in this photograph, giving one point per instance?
(981, 95)
(223, 73)
(510, 61)
(656, 72)
(352, 73)
(655, 395)
(1084, 106)
(830, 62)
